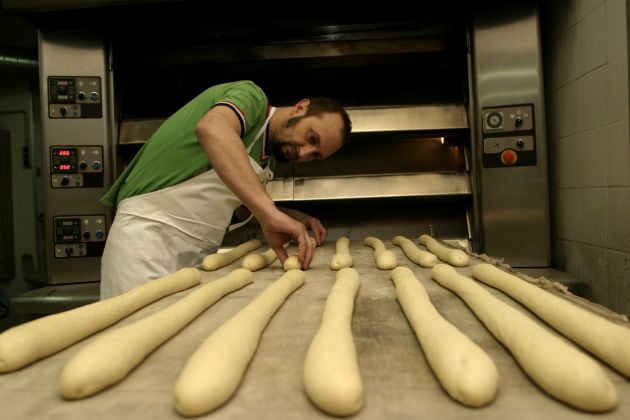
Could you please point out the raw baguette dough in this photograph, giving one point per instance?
(385, 259)
(109, 358)
(416, 255)
(608, 341)
(342, 258)
(293, 262)
(556, 366)
(332, 379)
(42, 337)
(453, 256)
(215, 261)
(215, 369)
(465, 371)
(255, 262)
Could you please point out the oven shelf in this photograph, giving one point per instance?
(416, 118)
(376, 119)
(369, 186)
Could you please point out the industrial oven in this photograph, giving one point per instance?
(447, 111)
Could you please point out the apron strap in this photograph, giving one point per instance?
(267, 173)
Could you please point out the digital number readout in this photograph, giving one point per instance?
(63, 160)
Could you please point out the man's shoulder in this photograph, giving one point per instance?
(237, 86)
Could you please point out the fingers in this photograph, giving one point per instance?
(306, 248)
(319, 231)
(320, 235)
(279, 231)
(281, 253)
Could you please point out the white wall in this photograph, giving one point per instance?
(585, 45)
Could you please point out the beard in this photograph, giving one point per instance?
(283, 148)
(284, 151)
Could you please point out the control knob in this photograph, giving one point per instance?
(518, 121)
(65, 180)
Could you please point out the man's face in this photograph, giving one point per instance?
(301, 138)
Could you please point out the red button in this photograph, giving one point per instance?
(509, 157)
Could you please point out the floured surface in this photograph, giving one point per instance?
(398, 382)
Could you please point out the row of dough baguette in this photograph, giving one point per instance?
(29, 342)
(557, 367)
(108, 359)
(464, 370)
(332, 379)
(587, 407)
(228, 350)
(444, 346)
(610, 342)
(447, 349)
(605, 400)
(385, 259)
(84, 376)
(253, 261)
(331, 373)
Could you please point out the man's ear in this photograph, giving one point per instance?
(301, 107)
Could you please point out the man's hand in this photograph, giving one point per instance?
(312, 223)
(279, 228)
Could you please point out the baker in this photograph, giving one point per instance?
(176, 198)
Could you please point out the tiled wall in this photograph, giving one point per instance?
(585, 55)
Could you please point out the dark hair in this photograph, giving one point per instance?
(319, 105)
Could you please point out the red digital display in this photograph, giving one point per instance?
(64, 159)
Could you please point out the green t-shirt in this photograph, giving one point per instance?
(173, 153)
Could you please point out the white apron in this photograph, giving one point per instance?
(157, 233)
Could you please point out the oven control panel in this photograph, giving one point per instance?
(76, 166)
(74, 97)
(509, 136)
(79, 236)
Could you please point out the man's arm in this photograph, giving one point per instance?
(218, 132)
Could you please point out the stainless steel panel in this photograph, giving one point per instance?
(499, 144)
(512, 201)
(53, 299)
(376, 186)
(408, 118)
(77, 57)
